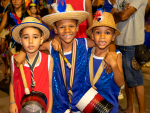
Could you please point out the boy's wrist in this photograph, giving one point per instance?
(12, 102)
(114, 65)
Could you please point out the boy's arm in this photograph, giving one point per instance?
(45, 46)
(88, 8)
(20, 58)
(118, 71)
(115, 61)
(12, 107)
(90, 42)
(113, 1)
(3, 22)
(124, 14)
(50, 85)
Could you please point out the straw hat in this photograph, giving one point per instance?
(106, 20)
(69, 13)
(27, 22)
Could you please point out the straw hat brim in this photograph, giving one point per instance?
(15, 31)
(89, 30)
(77, 15)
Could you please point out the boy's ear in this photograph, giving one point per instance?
(77, 28)
(113, 37)
(92, 37)
(55, 30)
(42, 40)
(20, 40)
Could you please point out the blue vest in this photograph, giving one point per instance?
(60, 97)
(105, 85)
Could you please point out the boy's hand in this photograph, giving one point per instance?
(55, 44)
(20, 58)
(111, 59)
(13, 108)
(108, 68)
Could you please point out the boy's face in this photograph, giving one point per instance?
(66, 30)
(33, 10)
(31, 39)
(103, 36)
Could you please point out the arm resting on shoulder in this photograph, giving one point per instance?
(90, 43)
(20, 58)
(45, 46)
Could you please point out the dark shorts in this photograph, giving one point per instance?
(133, 77)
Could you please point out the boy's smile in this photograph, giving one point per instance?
(66, 30)
(103, 36)
(31, 39)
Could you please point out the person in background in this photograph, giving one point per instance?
(3, 34)
(130, 22)
(43, 7)
(147, 26)
(33, 10)
(14, 16)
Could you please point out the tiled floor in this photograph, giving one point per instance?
(4, 97)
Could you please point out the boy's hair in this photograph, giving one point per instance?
(40, 31)
(72, 19)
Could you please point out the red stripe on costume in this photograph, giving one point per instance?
(93, 102)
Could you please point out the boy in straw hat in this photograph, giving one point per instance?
(31, 34)
(103, 32)
(68, 84)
